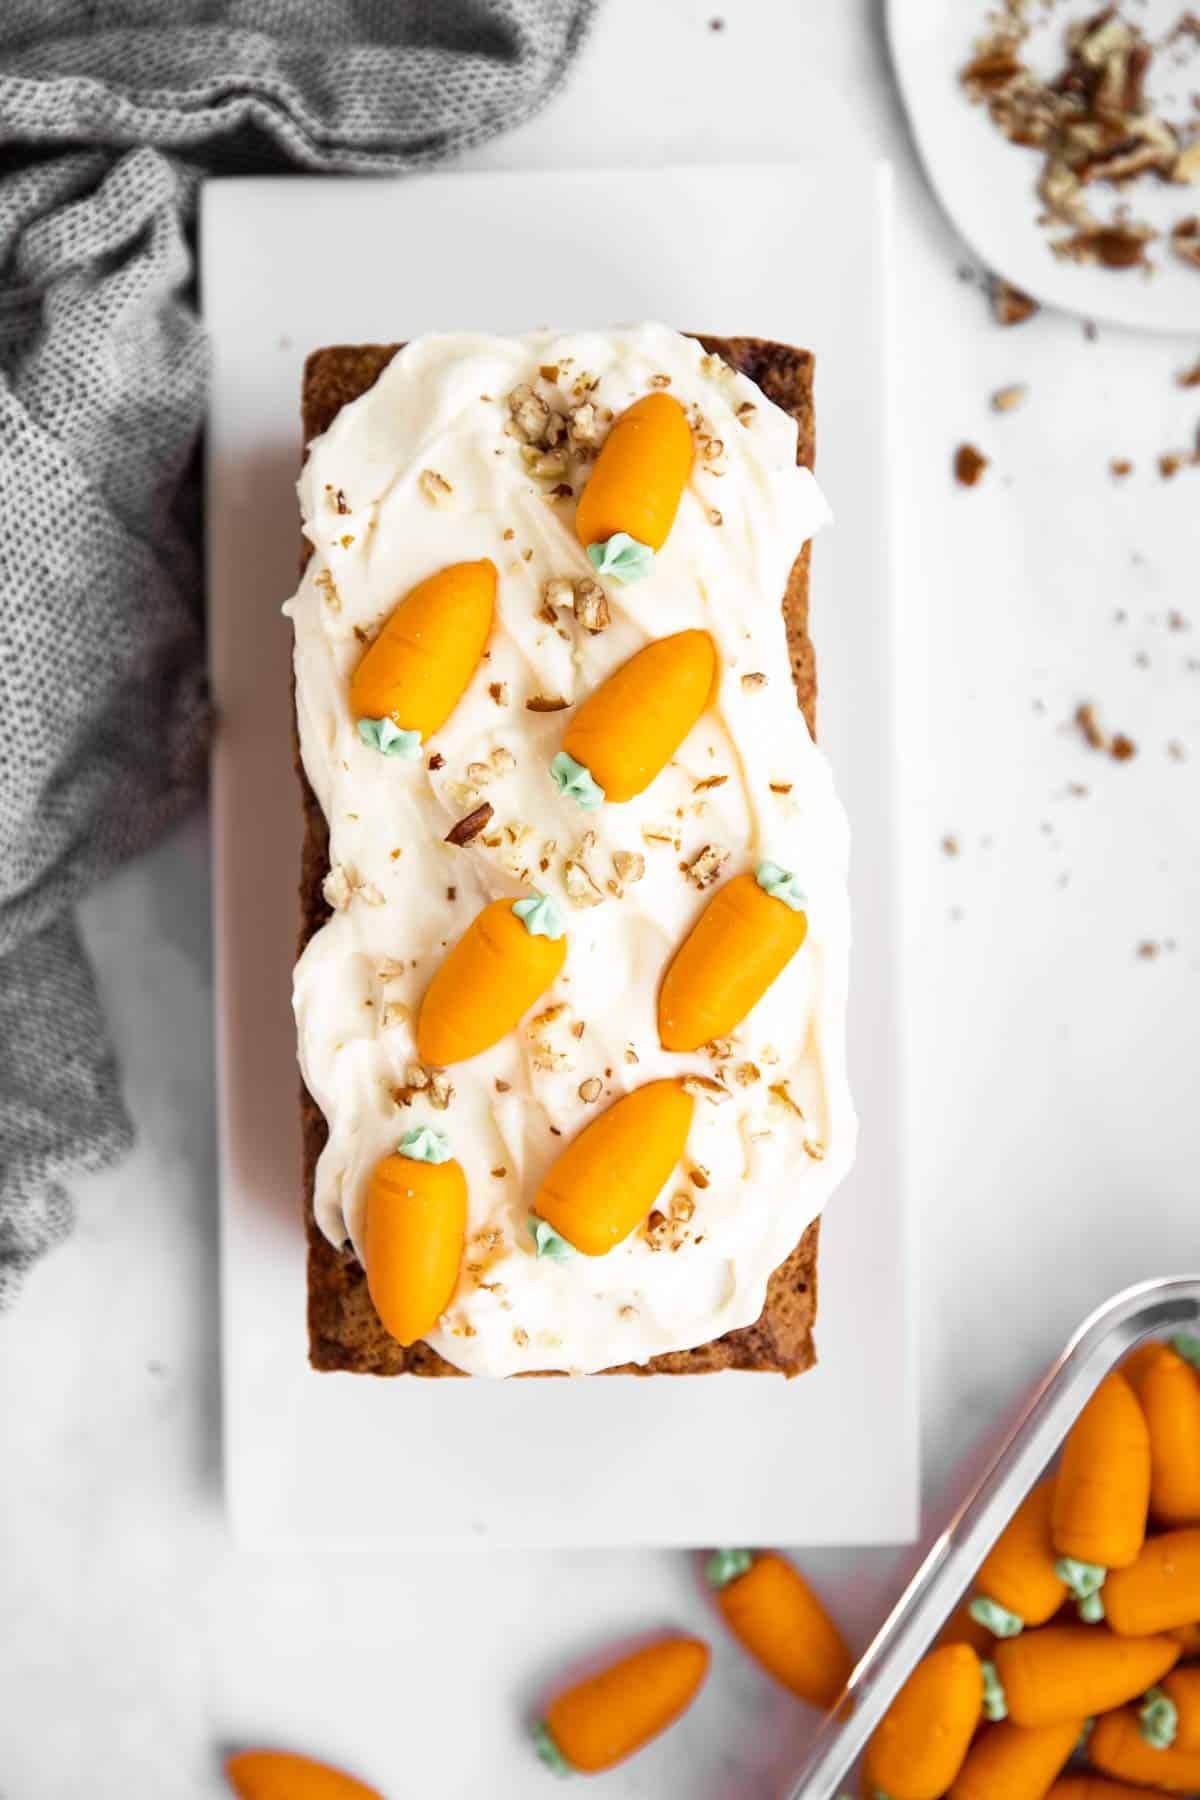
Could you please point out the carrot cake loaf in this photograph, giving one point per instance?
(571, 994)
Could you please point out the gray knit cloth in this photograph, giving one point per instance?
(110, 113)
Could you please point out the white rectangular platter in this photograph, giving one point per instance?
(341, 1461)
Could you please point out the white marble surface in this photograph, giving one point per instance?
(1055, 1132)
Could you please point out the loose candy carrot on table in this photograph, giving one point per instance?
(1018, 1581)
(277, 1775)
(633, 492)
(503, 962)
(1015, 1762)
(1074, 1671)
(1117, 1747)
(1170, 1398)
(606, 1718)
(1161, 1590)
(773, 1612)
(631, 727)
(743, 940)
(416, 1225)
(922, 1740)
(415, 673)
(607, 1179)
(1102, 1492)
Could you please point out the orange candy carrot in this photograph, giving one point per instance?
(1012, 1762)
(1102, 1494)
(1170, 1395)
(415, 673)
(771, 1609)
(1091, 1787)
(639, 477)
(1188, 1637)
(416, 1224)
(1161, 1590)
(505, 959)
(922, 1740)
(1018, 1573)
(962, 1627)
(743, 940)
(631, 727)
(276, 1775)
(1182, 1689)
(603, 1720)
(1117, 1747)
(608, 1178)
(1073, 1671)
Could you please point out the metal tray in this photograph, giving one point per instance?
(1151, 1309)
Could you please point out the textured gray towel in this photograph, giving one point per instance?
(110, 113)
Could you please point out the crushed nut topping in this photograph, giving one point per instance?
(326, 584)
(499, 692)
(746, 1074)
(394, 1013)
(591, 605)
(1007, 399)
(661, 834)
(583, 429)
(628, 1312)
(388, 968)
(1119, 747)
(780, 1091)
(544, 465)
(343, 884)
(546, 703)
(755, 679)
(1185, 241)
(469, 828)
(530, 413)
(434, 487)
(591, 1089)
(703, 1087)
(781, 787)
(631, 1055)
(746, 411)
(441, 1089)
(683, 1207)
(520, 1337)
(479, 773)
(629, 865)
(1010, 305)
(502, 759)
(969, 465)
(714, 516)
(710, 781)
(699, 1176)
(559, 590)
(581, 889)
(706, 866)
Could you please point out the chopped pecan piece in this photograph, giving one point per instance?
(469, 828)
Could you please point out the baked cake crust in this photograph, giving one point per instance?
(344, 1330)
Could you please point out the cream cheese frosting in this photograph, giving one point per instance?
(429, 468)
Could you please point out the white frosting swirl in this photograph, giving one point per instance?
(747, 780)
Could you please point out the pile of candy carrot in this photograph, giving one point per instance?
(1067, 1675)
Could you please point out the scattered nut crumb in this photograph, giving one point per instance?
(969, 465)
(661, 834)
(1189, 378)
(1010, 306)
(591, 605)
(714, 516)
(1147, 949)
(699, 1176)
(546, 703)
(1120, 467)
(394, 1013)
(755, 679)
(581, 889)
(631, 1055)
(746, 1074)
(704, 1087)
(520, 1337)
(682, 1207)
(499, 692)
(950, 845)
(629, 865)
(710, 781)
(1122, 748)
(1007, 399)
(591, 1089)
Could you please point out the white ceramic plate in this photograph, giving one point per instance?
(988, 186)
(345, 1461)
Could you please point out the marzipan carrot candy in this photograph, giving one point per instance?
(1138, 1361)
(1091, 1787)
(1117, 1747)
(628, 506)
(608, 1178)
(1161, 1590)
(603, 1720)
(631, 727)
(504, 961)
(1170, 1397)
(1018, 1582)
(1073, 1671)
(922, 1740)
(416, 1223)
(1188, 1637)
(1182, 1689)
(1013, 1762)
(276, 1775)
(415, 673)
(745, 937)
(1102, 1493)
(962, 1627)
(771, 1609)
